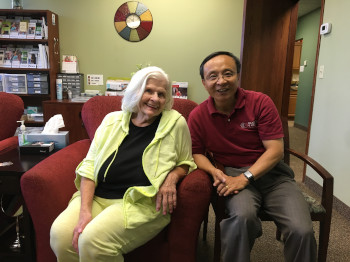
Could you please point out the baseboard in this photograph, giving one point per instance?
(338, 205)
(300, 127)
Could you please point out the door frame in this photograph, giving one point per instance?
(313, 86)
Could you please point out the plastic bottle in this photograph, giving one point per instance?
(65, 93)
(59, 89)
(22, 133)
(70, 95)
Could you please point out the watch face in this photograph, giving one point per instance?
(133, 21)
(249, 176)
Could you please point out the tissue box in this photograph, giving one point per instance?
(61, 139)
(37, 148)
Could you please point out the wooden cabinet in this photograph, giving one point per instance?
(292, 103)
(295, 72)
(71, 113)
(53, 54)
(297, 55)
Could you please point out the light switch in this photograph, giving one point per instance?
(321, 71)
(53, 19)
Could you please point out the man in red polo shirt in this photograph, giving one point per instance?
(244, 132)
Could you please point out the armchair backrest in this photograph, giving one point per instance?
(96, 108)
(11, 110)
(286, 139)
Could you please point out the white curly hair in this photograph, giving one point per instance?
(136, 88)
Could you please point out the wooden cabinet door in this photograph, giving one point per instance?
(297, 55)
(292, 103)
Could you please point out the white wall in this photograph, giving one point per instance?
(330, 128)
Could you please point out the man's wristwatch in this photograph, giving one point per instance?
(249, 176)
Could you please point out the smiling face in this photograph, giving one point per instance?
(152, 102)
(221, 80)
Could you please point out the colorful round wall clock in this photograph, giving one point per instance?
(133, 21)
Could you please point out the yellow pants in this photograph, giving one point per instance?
(105, 238)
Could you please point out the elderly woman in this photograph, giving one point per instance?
(127, 182)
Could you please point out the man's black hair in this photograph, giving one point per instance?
(212, 55)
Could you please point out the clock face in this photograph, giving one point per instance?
(133, 21)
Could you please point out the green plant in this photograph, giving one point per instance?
(17, 4)
(139, 67)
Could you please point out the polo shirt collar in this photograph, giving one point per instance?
(240, 96)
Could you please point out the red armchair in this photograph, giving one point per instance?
(11, 110)
(48, 186)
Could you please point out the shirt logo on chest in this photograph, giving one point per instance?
(248, 125)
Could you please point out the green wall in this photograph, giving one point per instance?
(183, 33)
(307, 29)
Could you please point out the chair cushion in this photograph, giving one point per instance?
(314, 205)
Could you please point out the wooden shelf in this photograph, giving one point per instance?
(21, 41)
(16, 69)
(24, 12)
(52, 42)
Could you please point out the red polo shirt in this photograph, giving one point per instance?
(235, 140)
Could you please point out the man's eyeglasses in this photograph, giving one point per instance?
(215, 77)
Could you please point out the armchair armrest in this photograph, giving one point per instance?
(328, 180)
(47, 188)
(8, 144)
(193, 201)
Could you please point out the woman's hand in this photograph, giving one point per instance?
(218, 176)
(84, 219)
(166, 196)
(87, 190)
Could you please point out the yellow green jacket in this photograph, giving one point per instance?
(170, 147)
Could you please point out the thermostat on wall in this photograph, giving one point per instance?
(325, 28)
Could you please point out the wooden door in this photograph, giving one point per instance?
(269, 30)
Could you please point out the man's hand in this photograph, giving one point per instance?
(232, 185)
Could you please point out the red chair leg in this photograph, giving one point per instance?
(205, 226)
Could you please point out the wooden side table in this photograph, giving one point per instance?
(10, 185)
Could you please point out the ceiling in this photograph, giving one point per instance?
(306, 6)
